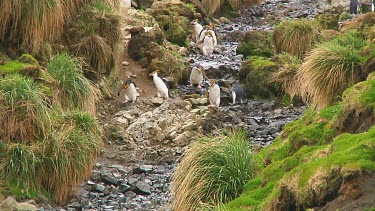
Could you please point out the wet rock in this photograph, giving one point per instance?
(142, 169)
(109, 179)
(142, 188)
(99, 187)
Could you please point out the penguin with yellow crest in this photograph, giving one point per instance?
(214, 93)
(197, 75)
(131, 91)
(161, 86)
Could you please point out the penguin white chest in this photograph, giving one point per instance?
(214, 95)
(197, 30)
(131, 93)
(208, 46)
(162, 89)
(196, 76)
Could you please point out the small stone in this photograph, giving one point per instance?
(125, 63)
(130, 194)
(143, 188)
(89, 182)
(157, 100)
(99, 187)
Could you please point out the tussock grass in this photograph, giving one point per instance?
(72, 89)
(213, 171)
(95, 35)
(212, 6)
(24, 112)
(36, 21)
(70, 153)
(286, 75)
(330, 68)
(295, 37)
(21, 161)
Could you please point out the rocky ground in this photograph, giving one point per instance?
(144, 140)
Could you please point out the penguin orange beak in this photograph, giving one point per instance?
(126, 86)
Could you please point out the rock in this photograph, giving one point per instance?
(224, 20)
(157, 100)
(75, 206)
(109, 180)
(122, 121)
(190, 126)
(130, 194)
(142, 169)
(99, 188)
(142, 188)
(8, 204)
(125, 63)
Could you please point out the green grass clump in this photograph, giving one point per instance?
(330, 68)
(24, 112)
(213, 171)
(73, 90)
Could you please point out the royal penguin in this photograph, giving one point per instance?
(196, 76)
(161, 87)
(214, 93)
(208, 45)
(237, 92)
(131, 91)
(209, 28)
(198, 28)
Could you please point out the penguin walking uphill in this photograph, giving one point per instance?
(196, 76)
(161, 87)
(214, 93)
(208, 45)
(131, 92)
(198, 28)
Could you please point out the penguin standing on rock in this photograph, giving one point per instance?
(162, 89)
(196, 76)
(237, 92)
(214, 93)
(208, 45)
(131, 92)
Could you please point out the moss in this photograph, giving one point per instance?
(174, 20)
(27, 58)
(311, 174)
(167, 61)
(176, 34)
(257, 84)
(256, 43)
(13, 67)
(20, 192)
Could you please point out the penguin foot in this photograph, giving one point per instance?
(125, 101)
(190, 85)
(199, 87)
